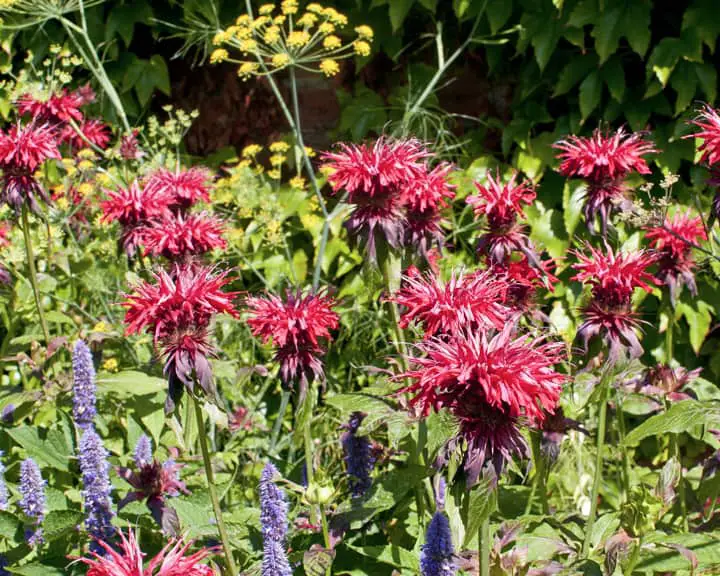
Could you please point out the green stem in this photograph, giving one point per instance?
(669, 347)
(284, 401)
(326, 535)
(604, 388)
(538, 484)
(681, 482)
(484, 547)
(634, 557)
(32, 272)
(308, 444)
(620, 417)
(232, 569)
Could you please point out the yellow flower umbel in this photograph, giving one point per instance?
(282, 35)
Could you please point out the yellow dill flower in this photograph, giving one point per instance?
(248, 45)
(247, 69)
(55, 48)
(104, 179)
(219, 55)
(245, 212)
(62, 203)
(243, 33)
(298, 183)
(307, 20)
(298, 38)
(110, 365)
(260, 21)
(251, 150)
(101, 327)
(314, 7)
(87, 154)
(326, 170)
(232, 30)
(280, 19)
(85, 188)
(220, 38)
(244, 163)
(279, 147)
(335, 17)
(235, 235)
(259, 169)
(329, 67)
(280, 60)
(277, 159)
(266, 9)
(243, 20)
(310, 221)
(361, 47)
(326, 28)
(365, 32)
(272, 34)
(332, 42)
(85, 165)
(309, 151)
(274, 174)
(289, 7)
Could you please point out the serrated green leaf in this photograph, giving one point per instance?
(614, 77)
(584, 13)
(701, 17)
(664, 58)
(59, 523)
(51, 450)
(590, 94)
(398, 11)
(37, 569)
(636, 26)
(606, 33)
(684, 82)
(574, 71)
(10, 526)
(678, 418)
(129, 383)
(707, 77)
(483, 502)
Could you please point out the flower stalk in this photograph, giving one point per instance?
(202, 435)
(485, 545)
(32, 273)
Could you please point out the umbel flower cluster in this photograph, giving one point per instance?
(281, 36)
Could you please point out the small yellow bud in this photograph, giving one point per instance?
(243, 20)
(266, 9)
(332, 42)
(298, 38)
(307, 20)
(274, 174)
(289, 7)
(326, 28)
(219, 55)
(365, 32)
(110, 365)
(329, 67)
(279, 147)
(310, 152)
(277, 159)
(101, 327)
(251, 150)
(247, 69)
(220, 38)
(280, 60)
(361, 47)
(248, 45)
(314, 7)
(272, 35)
(298, 183)
(280, 19)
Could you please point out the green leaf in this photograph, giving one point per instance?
(698, 319)
(52, 450)
(498, 13)
(544, 41)
(392, 555)
(684, 82)
(10, 526)
(59, 523)
(429, 5)
(584, 13)
(377, 409)
(129, 383)
(574, 71)
(590, 93)
(362, 112)
(701, 17)
(398, 11)
(36, 569)
(636, 26)
(614, 77)
(664, 58)
(483, 502)
(607, 33)
(58, 317)
(678, 418)
(707, 76)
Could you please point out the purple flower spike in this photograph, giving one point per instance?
(32, 490)
(84, 388)
(274, 522)
(3, 487)
(143, 451)
(436, 558)
(359, 459)
(97, 488)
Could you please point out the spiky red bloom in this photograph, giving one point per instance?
(95, 131)
(474, 377)
(127, 560)
(673, 243)
(524, 281)
(708, 120)
(129, 148)
(177, 308)
(56, 109)
(296, 326)
(184, 187)
(472, 302)
(133, 207)
(613, 277)
(179, 237)
(604, 160)
(376, 178)
(4, 234)
(502, 203)
(154, 482)
(22, 150)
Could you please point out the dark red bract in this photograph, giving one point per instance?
(296, 326)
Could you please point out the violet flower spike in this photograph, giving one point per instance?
(32, 501)
(274, 522)
(4, 496)
(84, 387)
(436, 557)
(359, 459)
(96, 489)
(143, 454)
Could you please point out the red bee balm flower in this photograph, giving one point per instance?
(604, 160)
(502, 204)
(177, 309)
(472, 302)
(179, 237)
(127, 560)
(57, 109)
(709, 123)
(184, 187)
(22, 150)
(96, 133)
(673, 242)
(487, 384)
(296, 327)
(613, 277)
(524, 281)
(376, 178)
(133, 207)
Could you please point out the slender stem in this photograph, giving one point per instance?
(232, 569)
(538, 484)
(326, 535)
(604, 388)
(284, 401)
(634, 557)
(32, 272)
(681, 481)
(669, 348)
(620, 417)
(484, 544)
